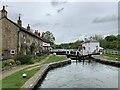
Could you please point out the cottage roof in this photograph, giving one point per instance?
(25, 30)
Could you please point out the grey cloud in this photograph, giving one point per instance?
(60, 10)
(57, 2)
(40, 24)
(67, 25)
(48, 14)
(13, 15)
(105, 19)
(37, 24)
(73, 24)
(56, 24)
(8, 5)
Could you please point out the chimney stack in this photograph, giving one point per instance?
(36, 32)
(28, 28)
(43, 35)
(3, 12)
(19, 22)
(39, 34)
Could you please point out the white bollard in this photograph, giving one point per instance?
(24, 75)
(54, 54)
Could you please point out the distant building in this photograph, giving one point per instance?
(15, 39)
(46, 45)
(90, 46)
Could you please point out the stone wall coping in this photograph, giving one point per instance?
(30, 84)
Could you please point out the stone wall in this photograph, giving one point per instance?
(29, 40)
(12, 40)
(0, 39)
(32, 83)
(9, 37)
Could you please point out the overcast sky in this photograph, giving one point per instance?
(68, 21)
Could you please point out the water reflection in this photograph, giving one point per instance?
(82, 74)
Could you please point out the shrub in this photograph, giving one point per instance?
(18, 62)
(24, 59)
(31, 62)
(10, 61)
(4, 64)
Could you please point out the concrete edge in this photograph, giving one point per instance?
(108, 62)
(39, 76)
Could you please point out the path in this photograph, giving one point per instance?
(100, 57)
(18, 68)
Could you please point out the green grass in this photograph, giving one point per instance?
(0, 84)
(112, 57)
(16, 81)
(54, 59)
(0, 65)
(39, 58)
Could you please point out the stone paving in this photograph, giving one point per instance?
(103, 59)
(100, 57)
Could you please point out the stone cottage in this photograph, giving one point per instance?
(15, 39)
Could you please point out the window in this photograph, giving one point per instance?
(25, 38)
(89, 48)
(84, 47)
(34, 41)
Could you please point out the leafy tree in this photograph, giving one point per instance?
(49, 36)
(97, 37)
(118, 42)
(73, 45)
(110, 38)
(109, 42)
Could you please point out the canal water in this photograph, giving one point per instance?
(82, 75)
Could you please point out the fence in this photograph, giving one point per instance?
(109, 51)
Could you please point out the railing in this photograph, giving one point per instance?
(109, 51)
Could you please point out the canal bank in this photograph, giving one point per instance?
(38, 78)
(40, 75)
(103, 59)
(82, 74)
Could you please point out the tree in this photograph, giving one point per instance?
(49, 36)
(97, 37)
(73, 45)
(110, 38)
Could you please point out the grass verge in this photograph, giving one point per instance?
(39, 58)
(54, 59)
(16, 80)
(112, 57)
(0, 65)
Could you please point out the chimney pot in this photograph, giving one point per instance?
(19, 22)
(43, 34)
(39, 34)
(28, 28)
(3, 7)
(3, 12)
(35, 32)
